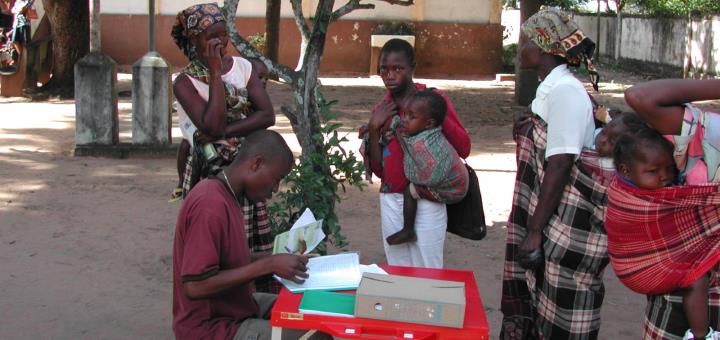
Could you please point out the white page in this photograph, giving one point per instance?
(372, 268)
(306, 218)
(331, 272)
(307, 229)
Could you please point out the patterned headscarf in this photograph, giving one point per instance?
(557, 34)
(193, 21)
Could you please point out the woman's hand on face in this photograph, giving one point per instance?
(214, 51)
(381, 113)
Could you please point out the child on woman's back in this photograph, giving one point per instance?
(431, 164)
(644, 159)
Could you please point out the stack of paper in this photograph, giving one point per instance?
(327, 303)
(305, 230)
(332, 272)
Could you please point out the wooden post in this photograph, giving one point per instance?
(272, 29)
(526, 81)
(597, 41)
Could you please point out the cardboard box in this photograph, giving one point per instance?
(411, 299)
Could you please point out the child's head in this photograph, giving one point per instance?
(623, 123)
(396, 65)
(645, 158)
(262, 161)
(261, 70)
(425, 110)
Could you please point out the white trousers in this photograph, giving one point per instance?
(430, 226)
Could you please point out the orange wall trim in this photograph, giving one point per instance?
(444, 50)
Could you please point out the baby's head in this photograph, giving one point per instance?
(261, 70)
(623, 123)
(645, 157)
(425, 110)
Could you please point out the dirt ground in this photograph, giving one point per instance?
(85, 243)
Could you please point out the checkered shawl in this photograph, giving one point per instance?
(563, 300)
(665, 239)
(665, 317)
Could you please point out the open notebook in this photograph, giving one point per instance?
(331, 272)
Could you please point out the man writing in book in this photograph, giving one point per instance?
(213, 269)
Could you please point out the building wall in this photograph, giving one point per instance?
(469, 46)
(659, 45)
(465, 11)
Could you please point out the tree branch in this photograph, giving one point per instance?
(352, 5)
(400, 2)
(248, 50)
(300, 18)
(290, 114)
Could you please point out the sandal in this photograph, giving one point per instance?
(176, 195)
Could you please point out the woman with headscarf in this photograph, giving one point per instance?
(221, 100)
(556, 245)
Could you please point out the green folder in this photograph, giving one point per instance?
(327, 303)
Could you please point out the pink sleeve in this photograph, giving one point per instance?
(454, 130)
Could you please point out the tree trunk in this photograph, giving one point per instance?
(69, 26)
(526, 81)
(307, 110)
(272, 29)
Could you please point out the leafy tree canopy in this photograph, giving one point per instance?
(676, 7)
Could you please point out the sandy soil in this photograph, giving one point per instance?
(85, 243)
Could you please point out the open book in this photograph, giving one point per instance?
(331, 272)
(305, 232)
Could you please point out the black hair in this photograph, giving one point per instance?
(437, 107)
(264, 143)
(631, 121)
(629, 147)
(399, 45)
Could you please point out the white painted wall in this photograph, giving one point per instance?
(661, 41)
(458, 11)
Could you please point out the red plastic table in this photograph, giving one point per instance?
(285, 314)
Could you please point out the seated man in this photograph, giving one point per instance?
(213, 270)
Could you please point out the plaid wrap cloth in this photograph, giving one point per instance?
(665, 239)
(433, 166)
(665, 317)
(563, 300)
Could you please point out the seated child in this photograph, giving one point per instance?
(432, 165)
(644, 159)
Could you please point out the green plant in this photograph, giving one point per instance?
(315, 179)
(677, 7)
(508, 58)
(257, 41)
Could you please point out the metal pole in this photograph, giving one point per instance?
(95, 26)
(151, 30)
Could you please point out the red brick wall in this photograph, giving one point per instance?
(444, 50)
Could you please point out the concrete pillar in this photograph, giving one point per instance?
(96, 114)
(151, 94)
